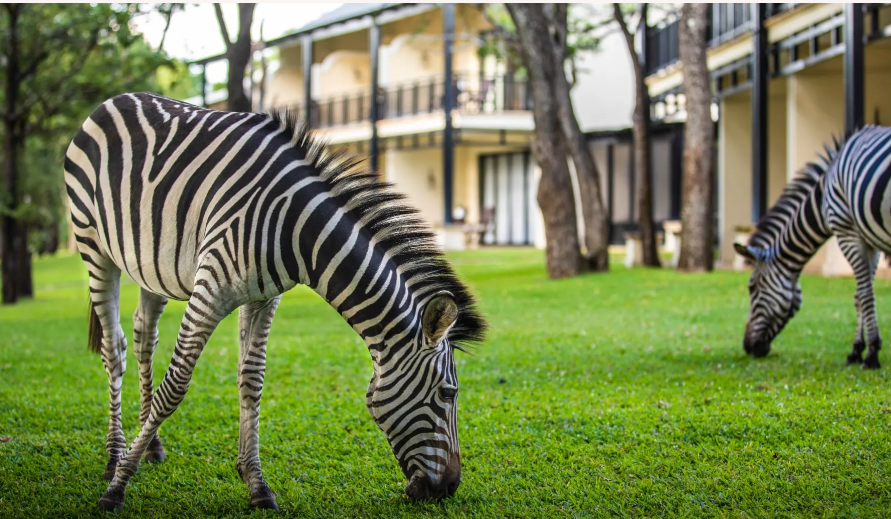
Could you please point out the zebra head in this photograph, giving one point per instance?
(774, 298)
(413, 399)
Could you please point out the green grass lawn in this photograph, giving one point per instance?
(620, 395)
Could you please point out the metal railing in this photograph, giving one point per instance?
(725, 22)
(473, 94)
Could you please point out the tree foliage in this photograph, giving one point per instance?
(57, 63)
(584, 34)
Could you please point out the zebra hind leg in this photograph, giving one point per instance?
(105, 311)
(254, 321)
(864, 260)
(856, 355)
(145, 339)
(203, 313)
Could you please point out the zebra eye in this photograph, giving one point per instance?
(448, 393)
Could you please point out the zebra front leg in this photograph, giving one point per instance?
(254, 321)
(105, 297)
(145, 339)
(864, 260)
(203, 313)
(856, 355)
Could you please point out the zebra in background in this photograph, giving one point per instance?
(230, 210)
(846, 193)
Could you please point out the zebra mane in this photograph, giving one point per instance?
(396, 226)
(796, 192)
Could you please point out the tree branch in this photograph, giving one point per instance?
(32, 67)
(169, 15)
(245, 20)
(629, 38)
(222, 22)
(510, 39)
(41, 98)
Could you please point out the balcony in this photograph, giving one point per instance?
(725, 23)
(473, 95)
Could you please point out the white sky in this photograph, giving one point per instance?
(195, 34)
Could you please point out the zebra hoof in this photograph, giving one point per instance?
(155, 452)
(871, 362)
(263, 499)
(264, 503)
(110, 469)
(112, 501)
(855, 358)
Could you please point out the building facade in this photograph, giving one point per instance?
(407, 86)
(786, 78)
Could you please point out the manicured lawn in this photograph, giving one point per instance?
(620, 395)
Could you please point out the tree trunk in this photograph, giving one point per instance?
(697, 211)
(9, 262)
(555, 193)
(643, 176)
(642, 144)
(594, 212)
(52, 238)
(11, 148)
(238, 54)
(24, 285)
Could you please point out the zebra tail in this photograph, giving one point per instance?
(95, 340)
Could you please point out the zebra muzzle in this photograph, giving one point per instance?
(757, 348)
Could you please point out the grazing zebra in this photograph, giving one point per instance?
(230, 210)
(846, 193)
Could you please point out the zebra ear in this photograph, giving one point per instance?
(439, 316)
(748, 252)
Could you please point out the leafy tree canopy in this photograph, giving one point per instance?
(71, 57)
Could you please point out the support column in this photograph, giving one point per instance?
(759, 112)
(307, 77)
(854, 89)
(374, 44)
(204, 85)
(448, 144)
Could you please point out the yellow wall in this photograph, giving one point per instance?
(418, 174)
(286, 85)
(344, 72)
(413, 48)
(353, 41)
(878, 83)
(816, 111)
(776, 141)
(734, 170)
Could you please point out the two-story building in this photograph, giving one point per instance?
(786, 78)
(407, 86)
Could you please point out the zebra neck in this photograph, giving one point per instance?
(804, 232)
(376, 296)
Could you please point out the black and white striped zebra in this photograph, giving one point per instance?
(229, 210)
(847, 193)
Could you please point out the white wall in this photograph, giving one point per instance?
(603, 96)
